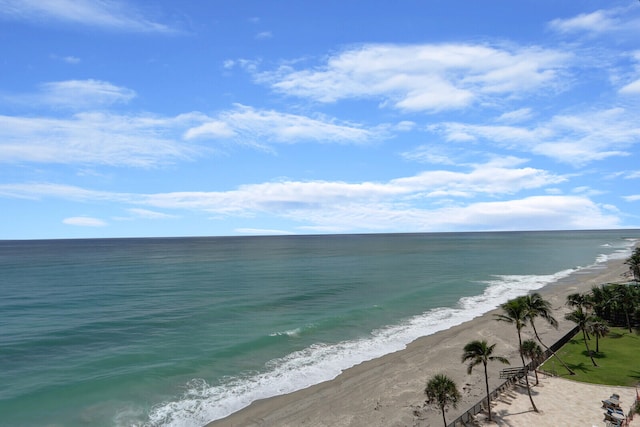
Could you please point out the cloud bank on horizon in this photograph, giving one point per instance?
(121, 118)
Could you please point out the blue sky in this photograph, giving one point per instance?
(199, 118)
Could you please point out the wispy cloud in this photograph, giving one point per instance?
(69, 59)
(74, 94)
(576, 139)
(95, 138)
(615, 20)
(84, 221)
(428, 77)
(149, 140)
(632, 88)
(105, 14)
(264, 35)
(408, 201)
(250, 125)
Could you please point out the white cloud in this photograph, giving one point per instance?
(428, 77)
(498, 177)
(68, 59)
(106, 14)
(264, 35)
(78, 94)
(615, 20)
(37, 191)
(147, 140)
(84, 221)
(213, 129)
(633, 198)
(598, 21)
(516, 116)
(632, 88)
(574, 139)
(95, 138)
(431, 154)
(73, 94)
(428, 201)
(531, 213)
(249, 125)
(149, 214)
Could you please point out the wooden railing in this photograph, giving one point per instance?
(512, 376)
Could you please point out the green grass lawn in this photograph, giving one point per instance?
(618, 360)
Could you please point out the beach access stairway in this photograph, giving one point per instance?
(511, 377)
(510, 373)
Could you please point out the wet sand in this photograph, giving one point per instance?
(389, 391)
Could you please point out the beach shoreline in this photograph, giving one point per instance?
(388, 391)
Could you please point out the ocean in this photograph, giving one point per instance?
(182, 331)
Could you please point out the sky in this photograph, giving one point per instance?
(123, 118)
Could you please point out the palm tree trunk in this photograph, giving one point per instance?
(443, 417)
(626, 313)
(586, 344)
(571, 372)
(597, 344)
(486, 381)
(526, 374)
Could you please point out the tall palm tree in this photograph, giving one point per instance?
(442, 391)
(625, 299)
(581, 302)
(602, 298)
(582, 320)
(533, 352)
(598, 329)
(539, 307)
(634, 264)
(515, 312)
(477, 352)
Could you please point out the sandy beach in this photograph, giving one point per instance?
(388, 391)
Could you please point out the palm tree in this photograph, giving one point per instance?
(515, 312)
(539, 307)
(625, 298)
(477, 352)
(581, 302)
(598, 329)
(442, 391)
(634, 264)
(533, 352)
(602, 300)
(582, 320)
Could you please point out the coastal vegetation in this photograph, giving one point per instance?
(608, 314)
(580, 318)
(618, 359)
(442, 391)
(634, 264)
(516, 313)
(539, 307)
(477, 352)
(534, 353)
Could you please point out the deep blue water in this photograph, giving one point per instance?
(181, 331)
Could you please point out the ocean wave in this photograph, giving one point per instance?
(203, 402)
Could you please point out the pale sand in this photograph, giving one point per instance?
(389, 391)
(561, 402)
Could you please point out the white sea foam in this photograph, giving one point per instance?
(290, 333)
(203, 402)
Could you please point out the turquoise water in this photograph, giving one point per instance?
(122, 332)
